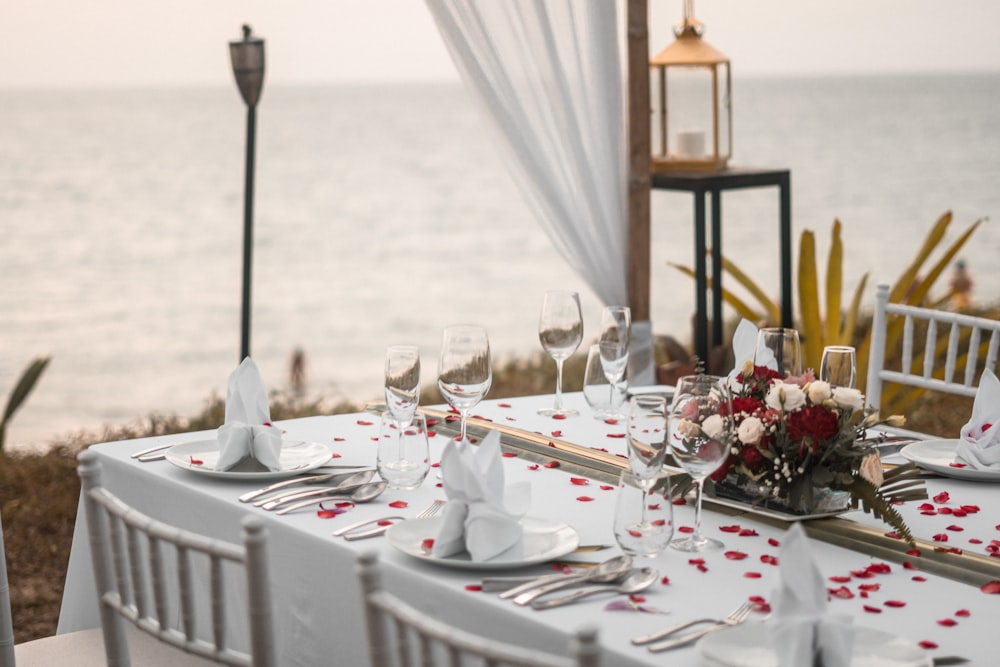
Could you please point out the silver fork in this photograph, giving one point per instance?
(348, 531)
(735, 617)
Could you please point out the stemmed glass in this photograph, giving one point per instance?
(402, 382)
(615, 335)
(646, 441)
(560, 330)
(464, 371)
(699, 432)
(838, 366)
(779, 349)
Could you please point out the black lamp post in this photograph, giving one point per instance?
(247, 56)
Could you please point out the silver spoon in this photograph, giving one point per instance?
(362, 494)
(333, 479)
(610, 570)
(635, 581)
(349, 483)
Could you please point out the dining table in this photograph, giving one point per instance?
(938, 594)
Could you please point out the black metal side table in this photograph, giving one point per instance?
(713, 183)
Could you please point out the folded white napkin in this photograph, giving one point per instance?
(247, 439)
(482, 516)
(744, 345)
(801, 632)
(979, 440)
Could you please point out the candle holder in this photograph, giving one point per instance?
(691, 95)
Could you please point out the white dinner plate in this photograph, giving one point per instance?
(938, 455)
(747, 646)
(543, 540)
(296, 458)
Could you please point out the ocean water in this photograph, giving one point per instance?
(383, 214)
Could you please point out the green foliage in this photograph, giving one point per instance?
(17, 397)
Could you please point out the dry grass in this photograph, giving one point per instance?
(39, 493)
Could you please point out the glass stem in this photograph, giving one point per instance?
(559, 369)
(465, 414)
(642, 515)
(696, 537)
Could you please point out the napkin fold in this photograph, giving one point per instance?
(979, 439)
(247, 440)
(745, 345)
(801, 631)
(483, 515)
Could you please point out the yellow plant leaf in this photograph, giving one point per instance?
(812, 324)
(834, 285)
(773, 312)
(904, 284)
(740, 306)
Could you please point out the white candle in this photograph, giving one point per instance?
(690, 144)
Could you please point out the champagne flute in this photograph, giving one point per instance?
(464, 372)
(699, 431)
(779, 349)
(838, 366)
(647, 445)
(560, 330)
(402, 382)
(596, 386)
(615, 336)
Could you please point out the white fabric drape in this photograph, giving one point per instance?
(549, 75)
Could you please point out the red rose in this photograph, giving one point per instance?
(813, 421)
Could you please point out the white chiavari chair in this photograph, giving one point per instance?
(967, 336)
(400, 635)
(130, 552)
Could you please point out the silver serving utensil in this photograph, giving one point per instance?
(666, 632)
(636, 580)
(147, 452)
(330, 479)
(349, 534)
(735, 618)
(348, 483)
(503, 584)
(610, 570)
(362, 494)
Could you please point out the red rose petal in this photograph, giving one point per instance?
(533, 466)
(611, 421)
(768, 559)
(748, 532)
(339, 439)
(335, 455)
(773, 542)
(556, 434)
(384, 522)
(559, 415)
(947, 622)
(919, 578)
(839, 579)
(752, 575)
(963, 613)
(940, 537)
(474, 588)
(427, 544)
(399, 504)
(503, 405)
(735, 555)
(552, 464)
(842, 593)
(665, 581)
(685, 529)
(509, 455)
(927, 645)
(584, 499)
(872, 610)
(196, 462)
(327, 514)
(616, 435)
(895, 603)
(362, 422)
(942, 497)
(579, 481)
(730, 529)
(954, 528)
(606, 487)
(991, 587)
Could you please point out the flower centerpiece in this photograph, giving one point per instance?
(799, 446)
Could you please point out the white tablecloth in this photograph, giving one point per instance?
(317, 600)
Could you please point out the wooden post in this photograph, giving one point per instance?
(638, 260)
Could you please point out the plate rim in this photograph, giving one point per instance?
(911, 453)
(212, 444)
(876, 633)
(392, 536)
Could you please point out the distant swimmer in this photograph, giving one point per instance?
(961, 287)
(297, 371)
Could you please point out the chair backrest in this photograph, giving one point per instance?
(130, 552)
(966, 337)
(6, 621)
(399, 635)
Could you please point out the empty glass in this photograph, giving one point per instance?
(644, 524)
(403, 459)
(699, 433)
(838, 366)
(779, 349)
(605, 399)
(646, 432)
(560, 330)
(464, 368)
(402, 382)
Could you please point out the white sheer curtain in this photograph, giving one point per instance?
(549, 75)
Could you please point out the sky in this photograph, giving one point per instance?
(98, 43)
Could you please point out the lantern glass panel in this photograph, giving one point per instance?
(690, 111)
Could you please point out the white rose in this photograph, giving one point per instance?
(845, 397)
(751, 431)
(688, 429)
(818, 391)
(785, 396)
(714, 426)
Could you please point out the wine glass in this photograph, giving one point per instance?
(596, 387)
(402, 382)
(646, 433)
(464, 372)
(699, 431)
(615, 335)
(560, 330)
(641, 528)
(838, 366)
(778, 349)
(403, 459)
